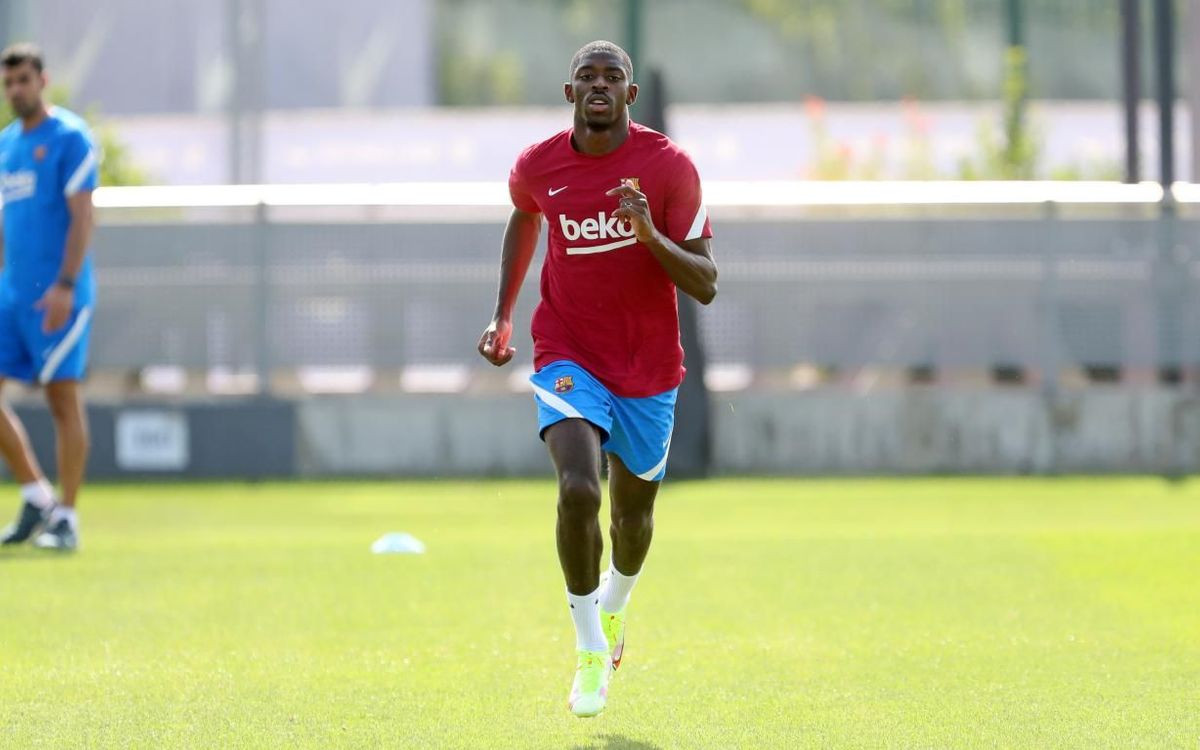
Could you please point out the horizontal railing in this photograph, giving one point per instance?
(717, 194)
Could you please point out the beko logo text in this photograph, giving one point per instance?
(601, 227)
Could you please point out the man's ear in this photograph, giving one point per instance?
(631, 96)
(569, 93)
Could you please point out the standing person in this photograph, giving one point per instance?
(48, 170)
(627, 227)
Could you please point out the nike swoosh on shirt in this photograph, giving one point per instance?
(554, 192)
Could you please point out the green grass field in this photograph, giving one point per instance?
(772, 614)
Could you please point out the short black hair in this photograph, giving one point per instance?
(21, 53)
(604, 47)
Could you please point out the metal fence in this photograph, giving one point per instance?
(371, 282)
(312, 53)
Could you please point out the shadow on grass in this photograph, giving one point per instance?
(617, 742)
(25, 552)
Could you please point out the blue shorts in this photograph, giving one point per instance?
(636, 430)
(28, 354)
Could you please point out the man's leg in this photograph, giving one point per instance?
(637, 458)
(14, 445)
(36, 493)
(631, 530)
(65, 398)
(632, 525)
(71, 436)
(574, 446)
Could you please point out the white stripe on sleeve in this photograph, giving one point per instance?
(80, 174)
(697, 229)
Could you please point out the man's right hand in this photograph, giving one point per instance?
(493, 344)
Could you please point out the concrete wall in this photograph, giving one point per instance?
(247, 439)
(1097, 430)
(820, 432)
(824, 431)
(423, 435)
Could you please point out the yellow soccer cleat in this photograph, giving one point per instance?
(589, 691)
(613, 624)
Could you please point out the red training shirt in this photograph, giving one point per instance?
(607, 304)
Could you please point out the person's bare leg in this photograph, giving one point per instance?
(632, 526)
(37, 496)
(574, 446)
(65, 399)
(632, 529)
(14, 446)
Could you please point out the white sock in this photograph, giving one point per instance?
(38, 493)
(617, 589)
(585, 612)
(60, 512)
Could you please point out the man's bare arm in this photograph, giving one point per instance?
(520, 243)
(689, 263)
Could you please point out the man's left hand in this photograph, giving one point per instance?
(635, 209)
(56, 303)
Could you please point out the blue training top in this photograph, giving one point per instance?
(39, 170)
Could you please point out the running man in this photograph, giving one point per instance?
(627, 227)
(48, 170)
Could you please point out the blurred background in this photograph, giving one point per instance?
(955, 236)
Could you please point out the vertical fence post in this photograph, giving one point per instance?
(1164, 36)
(1171, 277)
(1131, 79)
(262, 298)
(1192, 37)
(1051, 328)
(245, 37)
(233, 14)
(633, 32)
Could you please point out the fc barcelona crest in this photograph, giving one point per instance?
(564, 384)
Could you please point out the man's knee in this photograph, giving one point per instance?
(633, 518)
(64, 402)
(578, 494)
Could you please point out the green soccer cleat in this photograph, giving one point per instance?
(60, 535)
(589, 691)
(613, 624)
(29, 521)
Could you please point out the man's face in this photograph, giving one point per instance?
(600, 90)
(23, 86)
